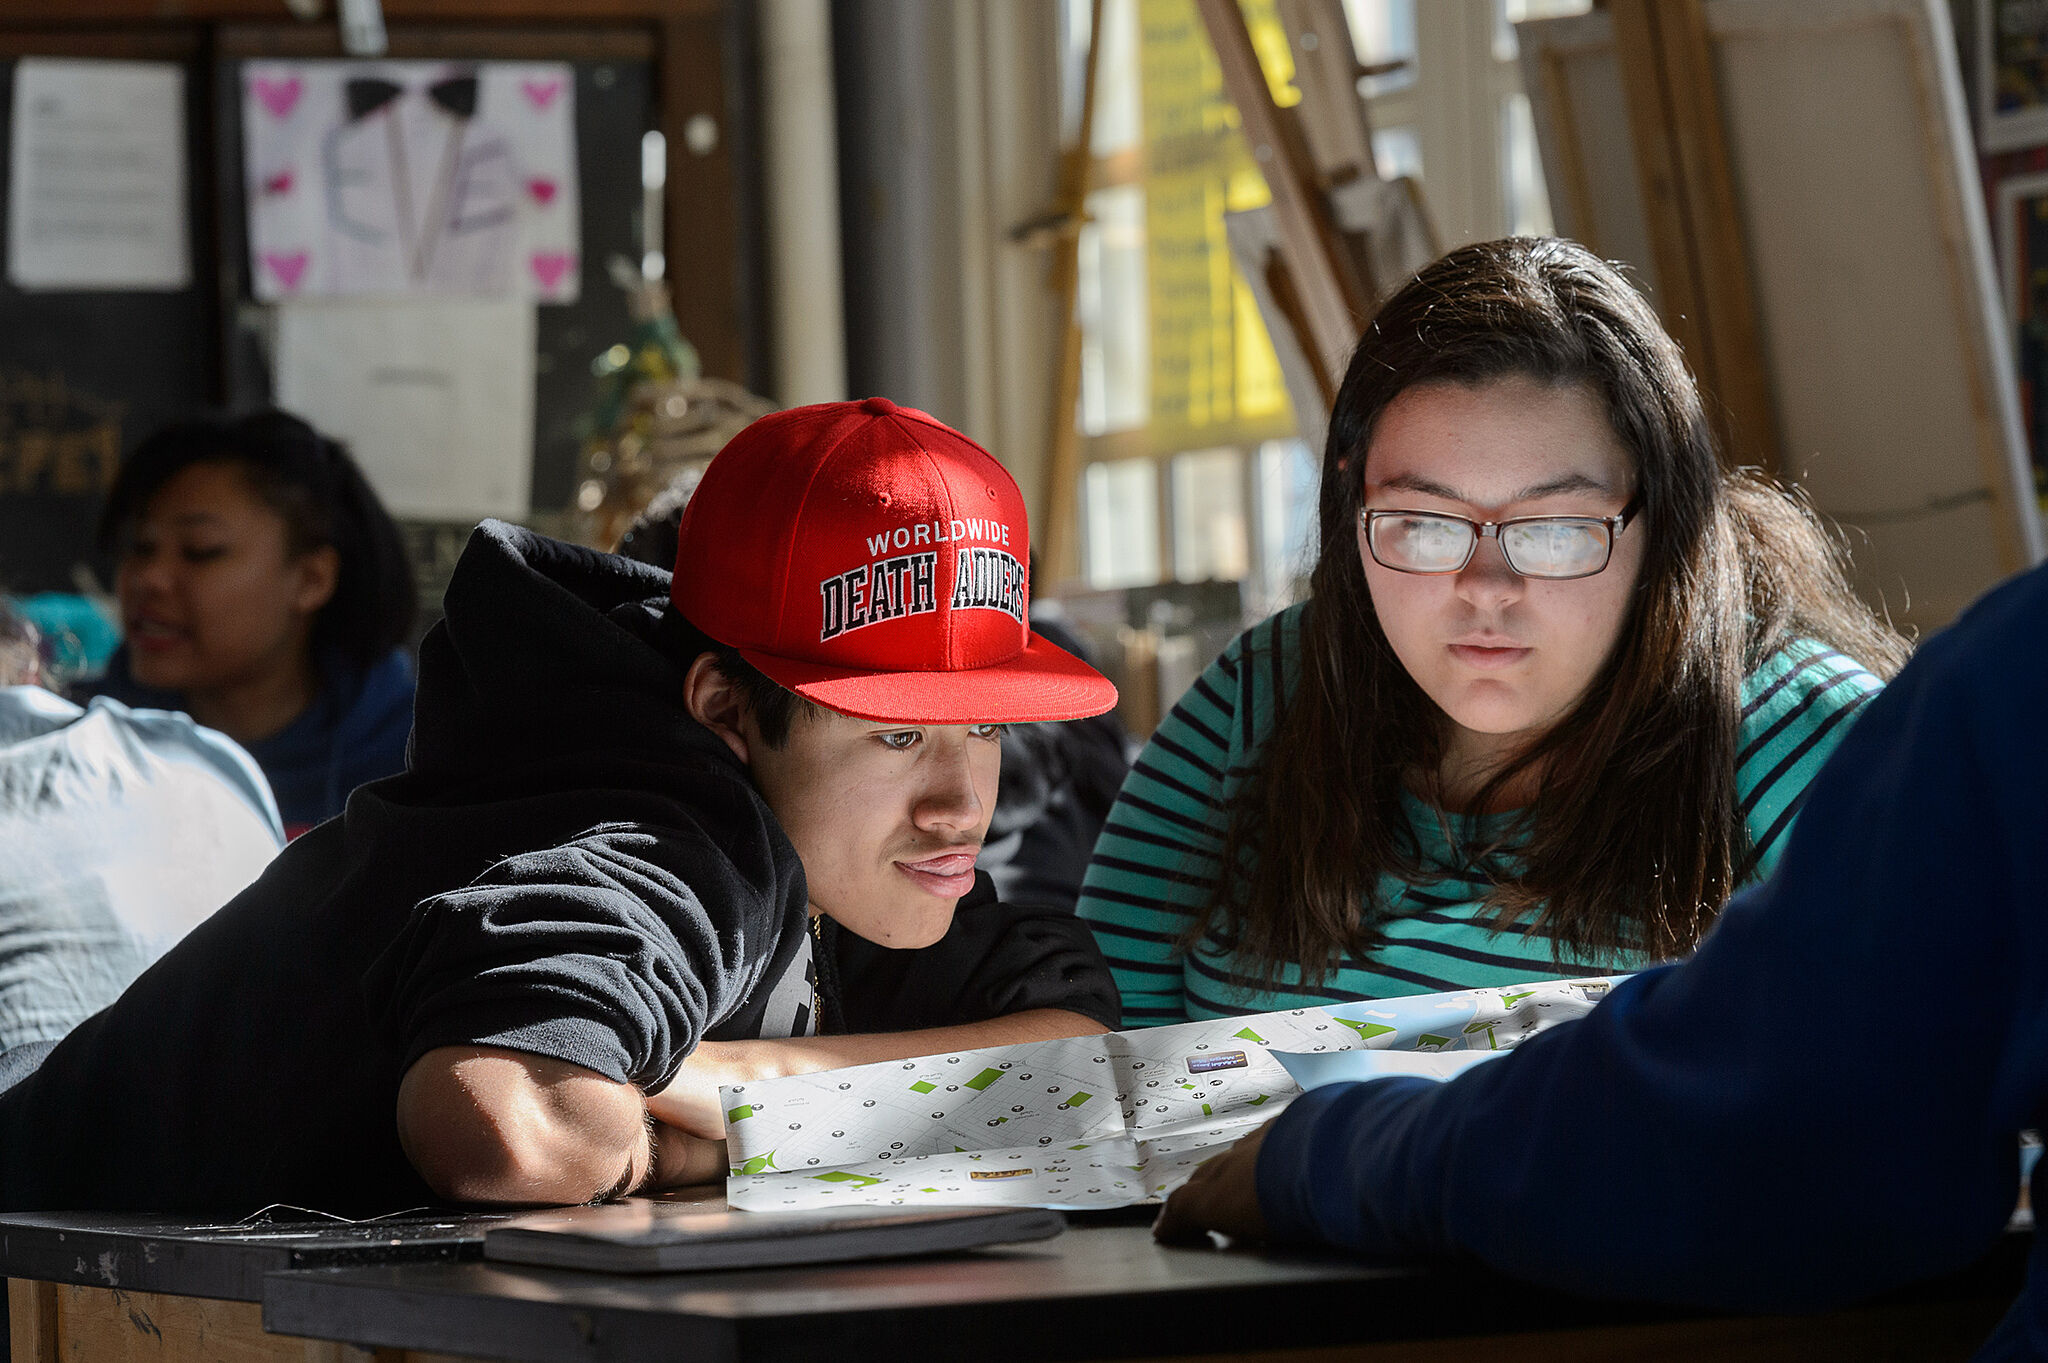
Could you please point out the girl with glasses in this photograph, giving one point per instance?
(1557, 691)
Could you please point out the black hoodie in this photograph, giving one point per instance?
(570, 867)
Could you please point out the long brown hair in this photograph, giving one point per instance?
(1636, 835)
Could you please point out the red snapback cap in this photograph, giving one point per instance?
(873, 559)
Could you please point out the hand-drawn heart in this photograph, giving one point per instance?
(542, 189)
(550, 266)
(280, 183)
(288, 267)
(541, 93)
(278, 96)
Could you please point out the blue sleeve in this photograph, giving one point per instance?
(1821, 1103)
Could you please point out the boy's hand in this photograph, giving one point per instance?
(1222, 1196)
(691, 1103)
(681, 1159)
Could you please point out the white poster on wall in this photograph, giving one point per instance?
(96, 180)
(391, 178)
(433, 396)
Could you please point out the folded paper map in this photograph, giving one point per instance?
(1093, 1121)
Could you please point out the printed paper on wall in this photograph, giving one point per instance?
(96, 182)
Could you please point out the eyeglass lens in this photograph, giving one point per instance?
(1443, 544)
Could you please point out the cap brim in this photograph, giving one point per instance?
(1044, 682)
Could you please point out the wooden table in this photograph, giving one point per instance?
(1103, 1290)
(91, 1287)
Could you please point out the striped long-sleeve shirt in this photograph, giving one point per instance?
(1154, 864)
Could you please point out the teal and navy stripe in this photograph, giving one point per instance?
(1158, 854)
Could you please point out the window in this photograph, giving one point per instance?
(1193, 469)
(1120, 509)
(1211, 541)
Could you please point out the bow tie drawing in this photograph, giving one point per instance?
(420, 233)
(367, 94)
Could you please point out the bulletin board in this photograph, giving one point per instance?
(614, 103)
(84, 376)
(1882, 333)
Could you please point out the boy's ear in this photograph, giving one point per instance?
(714, 702)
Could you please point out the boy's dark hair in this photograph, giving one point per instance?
(775, 707)
(310, 480)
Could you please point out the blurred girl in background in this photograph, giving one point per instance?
(265, 591)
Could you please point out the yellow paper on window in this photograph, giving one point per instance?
(1215, 379)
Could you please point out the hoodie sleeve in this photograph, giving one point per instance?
(1821, 1104)
(615, 951)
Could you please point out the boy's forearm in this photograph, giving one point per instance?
(691, 1101)
(769, 1059)
(484, 1124)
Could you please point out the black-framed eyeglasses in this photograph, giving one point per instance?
(1555, 548)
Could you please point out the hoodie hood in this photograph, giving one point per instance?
(549, 649)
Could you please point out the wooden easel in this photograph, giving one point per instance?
(1320, 281)
(1707, 296)
(1334, 251)
(1320, 277)
(1847, 328)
